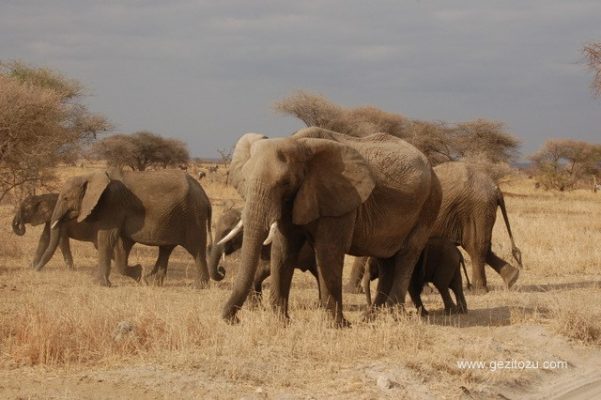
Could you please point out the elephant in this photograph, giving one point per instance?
(37, 210)
(157, 208)
(373, 196)
(467, 215)
(440, 263)
(228, 239)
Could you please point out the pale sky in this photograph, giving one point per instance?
(208, 71)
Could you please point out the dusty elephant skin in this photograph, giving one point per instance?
(374, 196)
(162, 208)
(467, 215)
(225, 224)
(37, 210)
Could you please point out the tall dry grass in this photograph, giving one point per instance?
(60, 319)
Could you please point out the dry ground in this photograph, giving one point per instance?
(59, 336)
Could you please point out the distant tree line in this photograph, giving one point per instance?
(140, 151)
(480, 141)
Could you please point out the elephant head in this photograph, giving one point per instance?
(34, 210)
(78, 198)
(299, 179)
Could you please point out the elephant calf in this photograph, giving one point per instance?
(440, 263)
(228, 239)
(37, 210)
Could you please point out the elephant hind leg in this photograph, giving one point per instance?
(457, 288)
(256, 295)
(508, 272)
(160, 267)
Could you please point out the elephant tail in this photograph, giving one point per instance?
(462, 262)
(517, 254)
(209, 226)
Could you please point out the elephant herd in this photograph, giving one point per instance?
(310, 199)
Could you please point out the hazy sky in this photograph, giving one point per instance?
(208, 71)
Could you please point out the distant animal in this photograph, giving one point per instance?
(213, 168)
(440, 263)
(37, 210)
(163, 208)
(201, 175)
(228, 239)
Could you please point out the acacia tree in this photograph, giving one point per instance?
(485, 140)
(592, 52)
(561, 164)
(141, 150)
(42, 123)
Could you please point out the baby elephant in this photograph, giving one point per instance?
(440, 264)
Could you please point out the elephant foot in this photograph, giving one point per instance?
(478, 289)
(510, 275)
(103, 281)
(229, 316)
(201, 284)
(254, 300)
(422, 311)
(134, 272)
(342, 323)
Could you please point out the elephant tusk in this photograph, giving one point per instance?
(272, 229)
(232, 233)
(54, 224)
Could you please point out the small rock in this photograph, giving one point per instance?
(123, 329)
(385, 382)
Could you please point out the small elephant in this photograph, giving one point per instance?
(228, 227)
(36, 210)
(440, 263)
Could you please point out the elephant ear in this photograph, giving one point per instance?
(337, 181)
(93, 187)
(242, 152)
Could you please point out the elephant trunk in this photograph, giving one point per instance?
(55, 233)
(216, 271)
(18, 225)
(256, 226)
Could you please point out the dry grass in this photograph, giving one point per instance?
(58, 321)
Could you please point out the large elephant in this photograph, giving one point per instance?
(160, 208)
(373, 196)
(467, 215)
(228, 239)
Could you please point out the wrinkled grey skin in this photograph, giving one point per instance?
(37, 210)
(440, 263)
(374, 196)
(467, 215)
(228, 220)
(160, 208)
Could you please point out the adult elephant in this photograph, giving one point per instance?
(374, 196)
(228, 239)
(159, 208)
(467, 215)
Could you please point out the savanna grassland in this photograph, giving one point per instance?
(59, 335)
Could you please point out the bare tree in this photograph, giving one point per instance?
(592, 52)
(41, 124)
(141, 150)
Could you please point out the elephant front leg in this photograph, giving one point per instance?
(357, 271)
(66, 250)
(106, 241)
(284, 251)
(256, 295)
